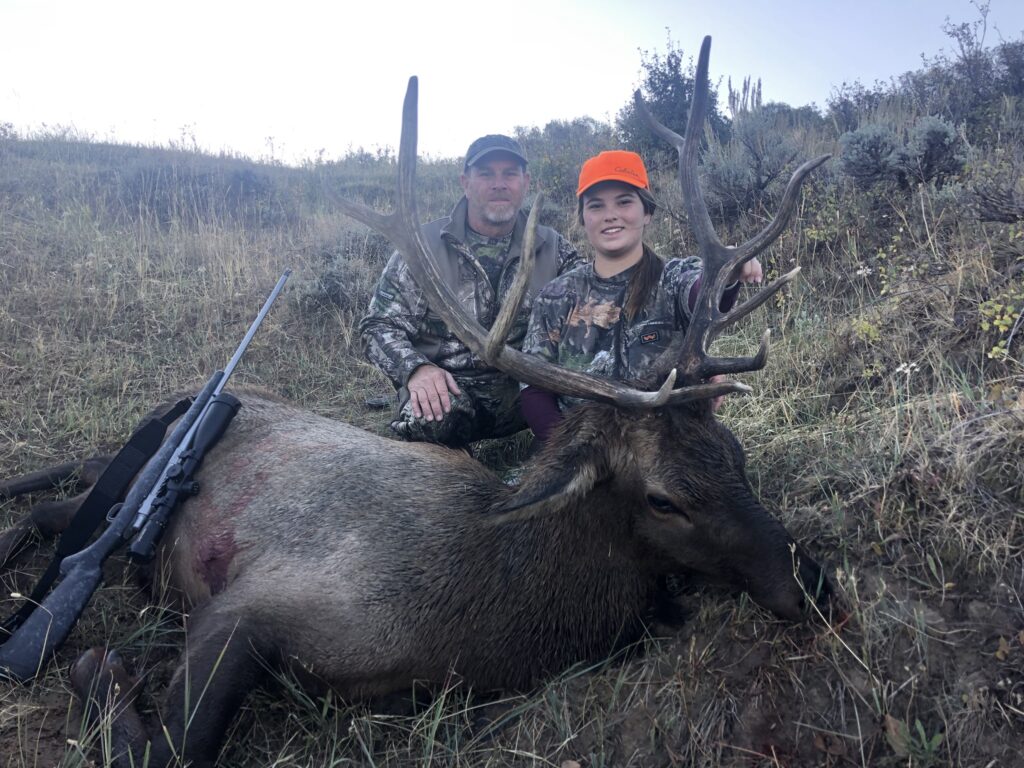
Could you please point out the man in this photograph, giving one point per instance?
(445, 393)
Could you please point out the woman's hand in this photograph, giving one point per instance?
(749, 271)
(716, 402)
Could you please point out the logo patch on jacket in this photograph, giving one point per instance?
(649, 337)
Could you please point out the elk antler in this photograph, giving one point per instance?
(690, 353)
(402, 228)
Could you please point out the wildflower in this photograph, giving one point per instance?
(907, 368)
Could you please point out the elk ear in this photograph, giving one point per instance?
(567, 467)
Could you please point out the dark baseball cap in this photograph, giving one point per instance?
(493, 142)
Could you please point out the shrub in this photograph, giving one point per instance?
(997, 186)
(933, 153)
(851, 102)
(748, 173)
(870, 155)
(346, 267)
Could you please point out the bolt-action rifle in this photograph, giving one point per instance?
(140, 519)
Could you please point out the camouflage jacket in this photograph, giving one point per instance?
(578, 320)
(400, 332)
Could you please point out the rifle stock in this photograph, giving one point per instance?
(29, 649)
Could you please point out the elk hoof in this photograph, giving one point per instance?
(101, 674)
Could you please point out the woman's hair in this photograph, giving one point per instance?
(648, 271)
(644, 280)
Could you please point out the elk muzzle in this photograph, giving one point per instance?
(789, 584)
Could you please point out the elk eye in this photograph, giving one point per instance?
(665, 507)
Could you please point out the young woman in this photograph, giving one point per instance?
(613, 316)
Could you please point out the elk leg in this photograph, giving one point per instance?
(223, 662)
(107, 694)
(48, 517)
(88, 472)
(217, 671)
(53, 517)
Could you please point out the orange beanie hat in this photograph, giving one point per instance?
(615, 165)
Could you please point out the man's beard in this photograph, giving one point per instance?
(498, 216)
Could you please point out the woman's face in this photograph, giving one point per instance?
(614, 219)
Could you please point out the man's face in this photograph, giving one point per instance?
(495, 187)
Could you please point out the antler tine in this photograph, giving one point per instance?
(391, 225)
(754, 246)
(510, 307)
(720, 262)
(717, 259)
(787, 207)
(755, 301)
(696, 210)
(707, 391)
(402, 228)
(688, 149)
(413, 245)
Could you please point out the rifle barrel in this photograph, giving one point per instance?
(230, 367)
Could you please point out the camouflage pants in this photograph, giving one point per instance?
(487, 408)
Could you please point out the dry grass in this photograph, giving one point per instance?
(881, 433)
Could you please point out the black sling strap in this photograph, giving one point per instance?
(109, 489)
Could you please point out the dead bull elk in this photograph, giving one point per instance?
(297, 554)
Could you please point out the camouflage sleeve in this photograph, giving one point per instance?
(681, 275)
(392, 322)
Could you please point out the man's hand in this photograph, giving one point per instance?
(428, 392)
(748, 272)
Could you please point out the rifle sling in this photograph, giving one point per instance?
(109, 489)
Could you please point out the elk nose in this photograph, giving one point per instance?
(787, 595)
(815, 581)
(813, 587)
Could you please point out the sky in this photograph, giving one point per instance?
(295, 80)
